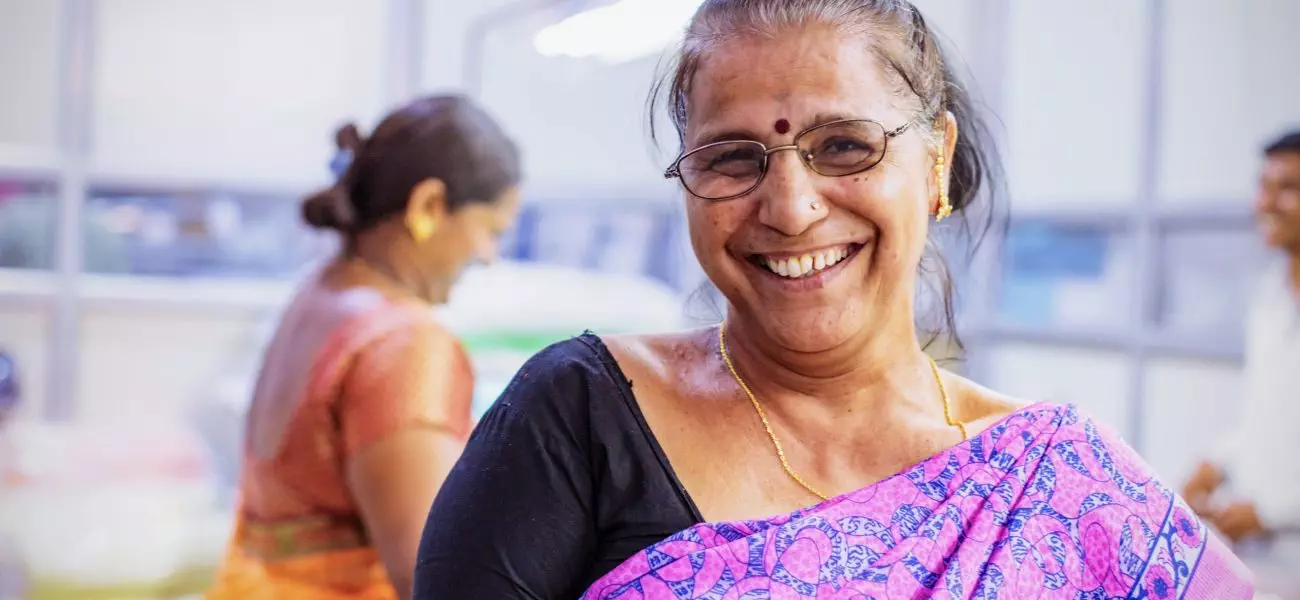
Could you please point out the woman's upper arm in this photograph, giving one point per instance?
(514, 518)
(393, 482)
(403, 413)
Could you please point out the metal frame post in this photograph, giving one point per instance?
(405, 52)
(1145, 225)
(992, 28)
(76, 43)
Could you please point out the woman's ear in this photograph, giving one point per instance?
(426, 209)
(950, 134)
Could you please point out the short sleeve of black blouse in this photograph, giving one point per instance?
(559, 483)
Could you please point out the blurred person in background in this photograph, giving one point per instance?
(13, 579)
(8, 386)
(9, 405)
(807, 446)
(1252, 488)
(362, 403)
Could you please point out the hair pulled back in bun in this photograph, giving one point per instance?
(331, 208)
(444, 137)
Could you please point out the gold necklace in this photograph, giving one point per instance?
(767, 426)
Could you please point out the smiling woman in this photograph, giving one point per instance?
(806, 447)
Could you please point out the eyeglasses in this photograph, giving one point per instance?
(730, 169)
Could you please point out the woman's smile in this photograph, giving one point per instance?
(803, 270)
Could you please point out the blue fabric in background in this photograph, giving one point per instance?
(1036, 257)
(1053, 251)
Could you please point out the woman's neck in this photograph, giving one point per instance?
(385, 261)
(868, 375)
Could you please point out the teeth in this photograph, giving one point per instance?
(802, 266)
(794, 266)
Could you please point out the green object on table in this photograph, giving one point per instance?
(189, 582)
(518, 341)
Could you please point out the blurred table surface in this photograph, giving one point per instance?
(1276, 565)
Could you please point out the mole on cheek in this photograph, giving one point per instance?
(782, 126)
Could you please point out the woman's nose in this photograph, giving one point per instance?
(790, 202)
(487, 252)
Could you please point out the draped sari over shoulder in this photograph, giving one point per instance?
(1044, 504)
(298, 532)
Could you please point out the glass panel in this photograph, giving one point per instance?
(1070, 142)
(29, 68)
(1212, 135)
(1189, 410)
(28, 212)
(199, 234)
(1208, 280)
(1066, 276)
(597, 137)
(1097, 381)
(233, 90)
(121, 350)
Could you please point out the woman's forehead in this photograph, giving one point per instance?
(749, 83)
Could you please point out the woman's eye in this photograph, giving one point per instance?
(837, 146)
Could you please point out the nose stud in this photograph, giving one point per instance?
(815, 205)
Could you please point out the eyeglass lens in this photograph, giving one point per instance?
(729, 169)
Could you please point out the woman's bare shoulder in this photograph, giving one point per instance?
(673, 369)
(981, 407)
(664, 352)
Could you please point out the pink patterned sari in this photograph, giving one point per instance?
(1044, 504)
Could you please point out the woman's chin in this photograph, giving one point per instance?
(807, 333)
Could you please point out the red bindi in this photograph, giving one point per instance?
(782, 126)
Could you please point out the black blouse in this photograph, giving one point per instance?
(561, 482)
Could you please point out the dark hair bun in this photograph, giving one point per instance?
(348, 137)
(329, 209)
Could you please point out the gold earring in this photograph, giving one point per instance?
(945, 206)
(421, 228)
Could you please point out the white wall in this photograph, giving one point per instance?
(29, 69)
(232, 90)
(1075, 83)
(1077, 79)
(1232, 84)
(1191, 406)
(154, 362)
(25, 334)
(1096, 381)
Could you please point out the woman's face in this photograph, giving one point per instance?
(468, 235)
(769, 90)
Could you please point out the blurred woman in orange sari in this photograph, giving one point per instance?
(362, 405)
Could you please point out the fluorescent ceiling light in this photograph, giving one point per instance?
(619, 32)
